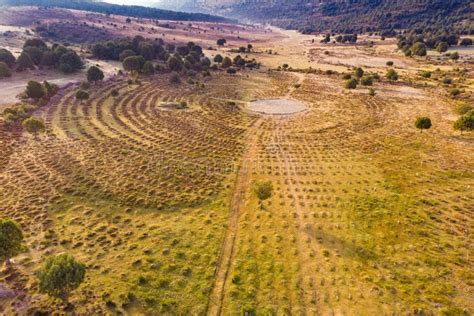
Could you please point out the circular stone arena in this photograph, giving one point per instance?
(277, 106)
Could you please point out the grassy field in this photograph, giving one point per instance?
(368, 215)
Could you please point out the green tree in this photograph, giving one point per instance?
(146, 51)
(114, 93)
(24, 62)
(148, 68)
(465, 122)
(426, 74)
(175, 63)
(351, 84)
(174, 78)
(218, 58)
(48, 58)
(366, 81)
(70, 62)
(35, 42)
(221, 42)
(126, 53)
(372, 92)
(60, 275)
(454, 56)
(4, 70)
(35, 90)
(418, 49)
(51, 88)
(226, 62)
(392, 75)
(82, 95)
(466, 42)
(35, 54)
(94, 74)
(359, 72)
(442, 47)
(11, 240)
(133, 63)
(423, 123)
(7, 57)
(33, 125)
(263, 191)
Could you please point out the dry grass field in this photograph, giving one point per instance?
(368, 215)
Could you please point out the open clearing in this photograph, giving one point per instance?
(276, 106)
(368, 215)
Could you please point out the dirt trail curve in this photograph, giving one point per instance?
(292, 89)
(217, 295)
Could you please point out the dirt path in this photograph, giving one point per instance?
(243, 180)
(292, 89)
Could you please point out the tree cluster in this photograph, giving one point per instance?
(346, 38)
(36, 53)
(416, 42)
(139, 54)
(58, 276)
(20, 115)
(124, 10)
(357, 16)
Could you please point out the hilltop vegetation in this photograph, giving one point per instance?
(125, 10)
(345, 16)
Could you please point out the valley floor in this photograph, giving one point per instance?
(368, 215)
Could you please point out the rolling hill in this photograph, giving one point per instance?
(125, 10)
(347, 15)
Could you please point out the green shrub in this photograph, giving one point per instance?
(454, 92)
(33, 125)
(35, 90)
(346, 76)
(82, 95)
(465, 122)
(426, 74)
(60, 275)
(4, 70)
(174, 78)
(94, 74)
(391, 75)
(351, 84)
(463, 108)
(366, 81)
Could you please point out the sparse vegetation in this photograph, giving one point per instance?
(423, 123)
(392, 75)
(465, 122)
(181, 197)
(263, 191)
(351, 84)
(33, 125)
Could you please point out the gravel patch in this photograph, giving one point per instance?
(277, 106)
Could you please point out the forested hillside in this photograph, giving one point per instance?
(126, 10)
(350, 16)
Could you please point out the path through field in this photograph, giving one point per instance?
(242, 184)
(331, 238)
